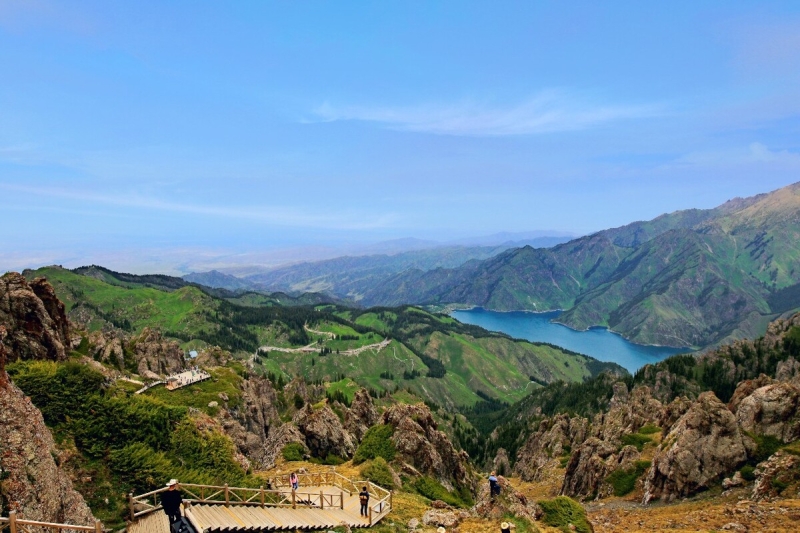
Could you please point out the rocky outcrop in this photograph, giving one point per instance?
(501, 463)
(627, 413)
(155, 355)
(361, 416)
(108, 347)
(554, 438)
(673, 411)
(591, 464)
(423, 447)
(280, 436)
(31, 481)
(772, 410)
(249, 424)
(777, 472)
(34, 318)
(324, 433)
(703, 446)
(746, 388)
(508, 502)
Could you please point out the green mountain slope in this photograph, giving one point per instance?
(690, 278)
(433, 356)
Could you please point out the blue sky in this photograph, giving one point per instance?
(183, 129)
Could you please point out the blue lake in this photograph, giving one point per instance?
(596, 342)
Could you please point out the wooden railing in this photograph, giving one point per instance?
(280, 494)
(224, 495)
(15, 524)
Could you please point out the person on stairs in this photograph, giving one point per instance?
(363, 497)
(171, 501)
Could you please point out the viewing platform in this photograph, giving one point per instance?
(323, 500)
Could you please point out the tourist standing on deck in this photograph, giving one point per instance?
(293, 480)
(171, 500)
(363, 497)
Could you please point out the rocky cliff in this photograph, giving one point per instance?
(31, 481)
(35, 319)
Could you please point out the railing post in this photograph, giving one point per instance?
(341, 500)
(391, 492)
(321, 500)
(130, 506)
(98, 526)
(262, 495)
(227, 495)
(294, 502)
(370, 515)
(12, 521)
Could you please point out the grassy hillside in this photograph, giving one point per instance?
(432, 356)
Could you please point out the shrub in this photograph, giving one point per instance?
(766, 445)
(293, 451)
(748, 472)
(624, 480)
(560, 512)
(635, 439)
(377, 442)
(378, 472)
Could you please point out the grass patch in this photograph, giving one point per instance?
(649, 429)
(433, 490)
(624, 480)
(748, 472)
(560, 512)
(635, 439)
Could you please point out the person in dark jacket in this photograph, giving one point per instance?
(171, 500)
(363, 497)
(494, 485)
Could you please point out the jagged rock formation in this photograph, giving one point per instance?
(673, 411)
(591, 464)
(249, 424)
(501, 463)
(31, 480)
(704, 445)
(772, 410)
(627, 413)
(280, 436)
(108, 347)
(555, 437)
(423, 448)
(361, 416)
(35, 319)
(155, 355)
(324, 433)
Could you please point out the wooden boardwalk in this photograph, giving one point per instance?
(310, 508)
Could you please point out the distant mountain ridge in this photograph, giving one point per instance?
(351, 276)
(689, 278)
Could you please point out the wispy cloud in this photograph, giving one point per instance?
(755, 153)
(269, 214)
(547, 112)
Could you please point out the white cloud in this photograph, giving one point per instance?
(548, 112)
(277, 215)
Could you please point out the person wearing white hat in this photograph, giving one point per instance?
(171, 501)
(441, 530)
(505, 527)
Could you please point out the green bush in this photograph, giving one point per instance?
(293, 451)
(377, 442)
(635, 439)
(560, 512)
(766, 445)
(378, 472)
(329, 459)
(748, 472)
(433, 490)
(624, 480)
